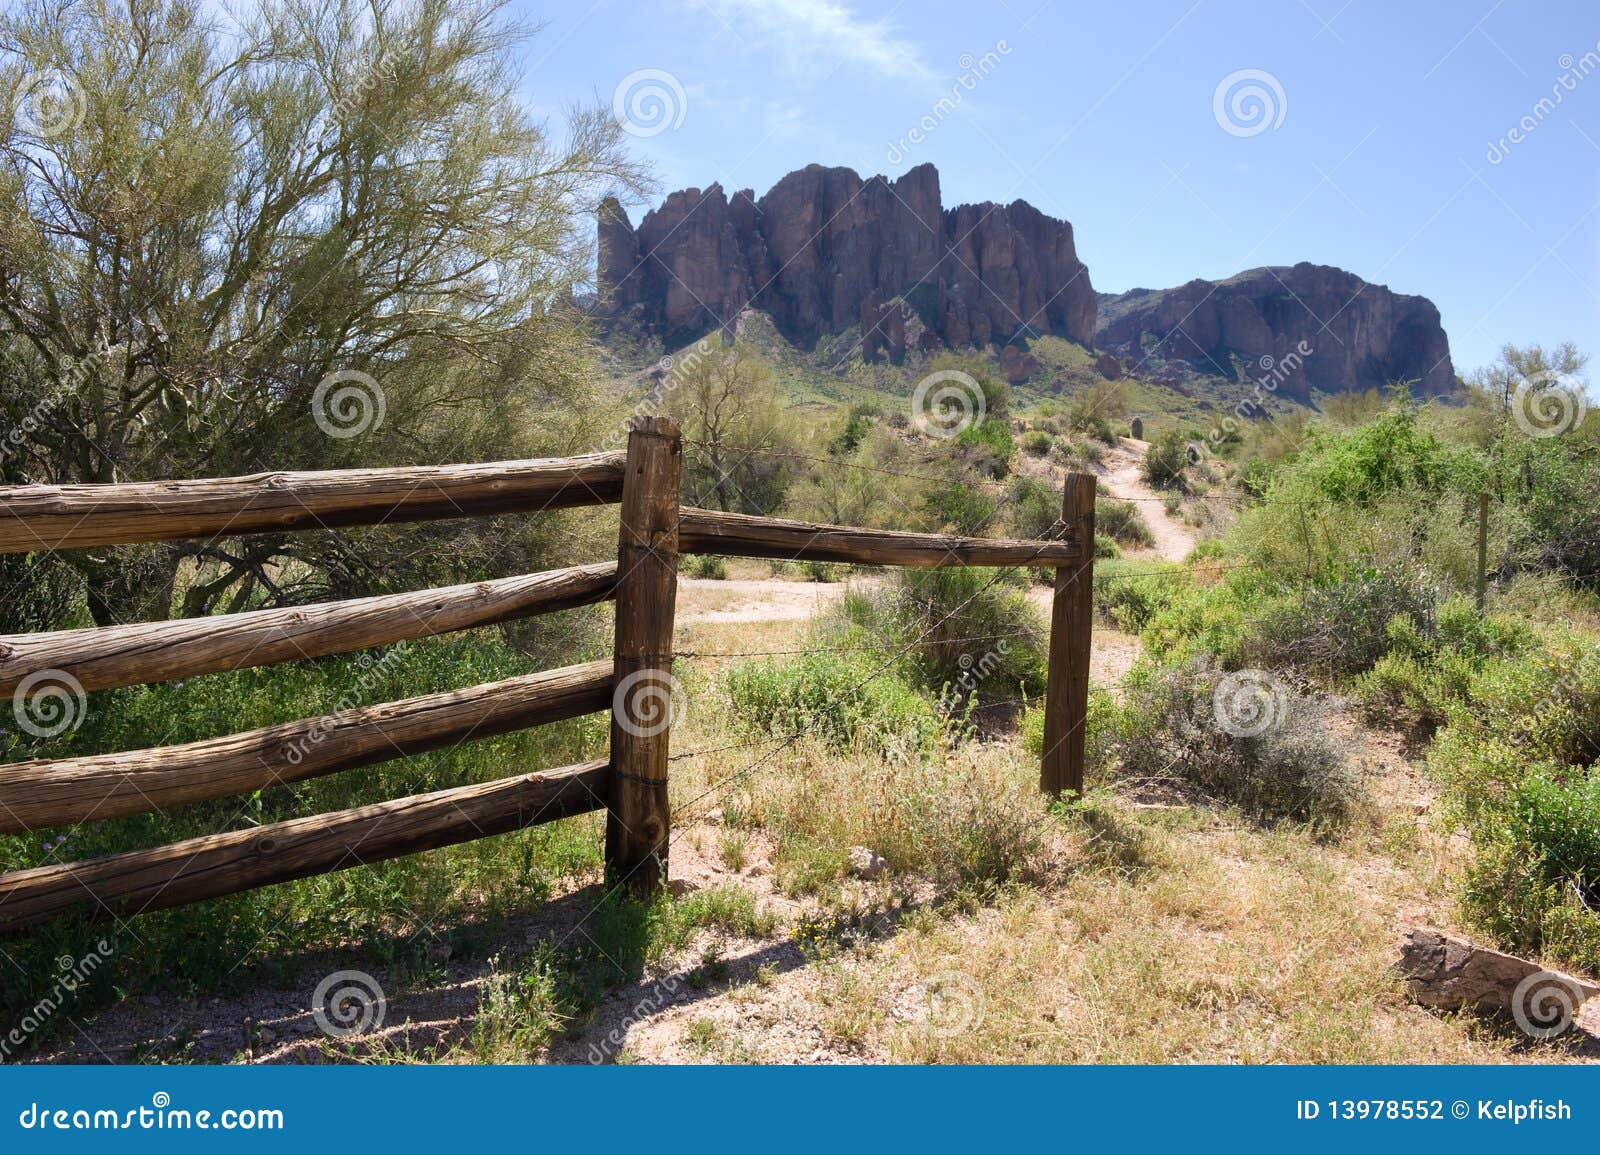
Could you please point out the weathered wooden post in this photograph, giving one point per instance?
(638, 818)
(1066, 696)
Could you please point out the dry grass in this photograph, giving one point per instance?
(1005, 933)
(1122, 934)
(1184, 940)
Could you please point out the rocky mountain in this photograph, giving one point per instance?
(825, 250)
(1359, 335)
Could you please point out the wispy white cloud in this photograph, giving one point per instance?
(817, 36)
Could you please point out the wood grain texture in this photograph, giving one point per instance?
(1066, 696)
(740, 535)
(639, 821)
(40, 793)
(43, 517)
(123, 885)
(169, 651)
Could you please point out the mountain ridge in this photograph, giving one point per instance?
(826, 252)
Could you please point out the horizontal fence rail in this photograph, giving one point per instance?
(149, 652)
(741, 535)
(39, 794)
(634, 684)
(42, 517)
(122, 885)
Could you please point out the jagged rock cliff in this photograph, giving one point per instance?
(825, 250)
(1360, 335)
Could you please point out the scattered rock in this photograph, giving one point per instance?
(714, 816)
(678, 887)
(1449, 972)
(867, 864)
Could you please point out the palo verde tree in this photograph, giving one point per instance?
(326, 236)
(726, 397)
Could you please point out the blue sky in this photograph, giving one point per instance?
(1373, 150)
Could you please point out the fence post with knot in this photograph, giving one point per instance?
(1066, 697)
(638, 818)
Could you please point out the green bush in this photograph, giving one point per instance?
(1128, 601)
(1101, 732)
(1037, 443)
(1175, 728)
(1093, 451)
(1189, 620)
(1414, 684)
(1340, 628)
(1540, 707)
(708, 566)
(953, 631)
(1535, 881)
(1033, 508)
(837, 701)
(1165, 460)
(988, 446)
(1124, 522)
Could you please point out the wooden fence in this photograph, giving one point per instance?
(630, 784)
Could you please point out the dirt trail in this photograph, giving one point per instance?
(737, 600)
(1123, 472)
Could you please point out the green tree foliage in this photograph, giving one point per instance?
(220, 217)
(727, 398)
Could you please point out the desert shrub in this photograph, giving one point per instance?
(1538, 707)
(1535, 880)
(822, 571)
(988, 446)
(1175, 728)
(1189, 620)
(1037, 443)
(958, 507)
(839, 702)
(1033, 508)
(1101, 732)
(1545, 597)
(1399, 692)
(1123, 521)
(1128, 601)
(708, 566)
(950, 631)
(1105, 548)
(1092, 451)
(1164, 462)
(1094, 407)
(1339, 628)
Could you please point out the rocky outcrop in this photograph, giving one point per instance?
(825, 250)
(1261, 322)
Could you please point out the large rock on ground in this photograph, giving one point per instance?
(1449, 972)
